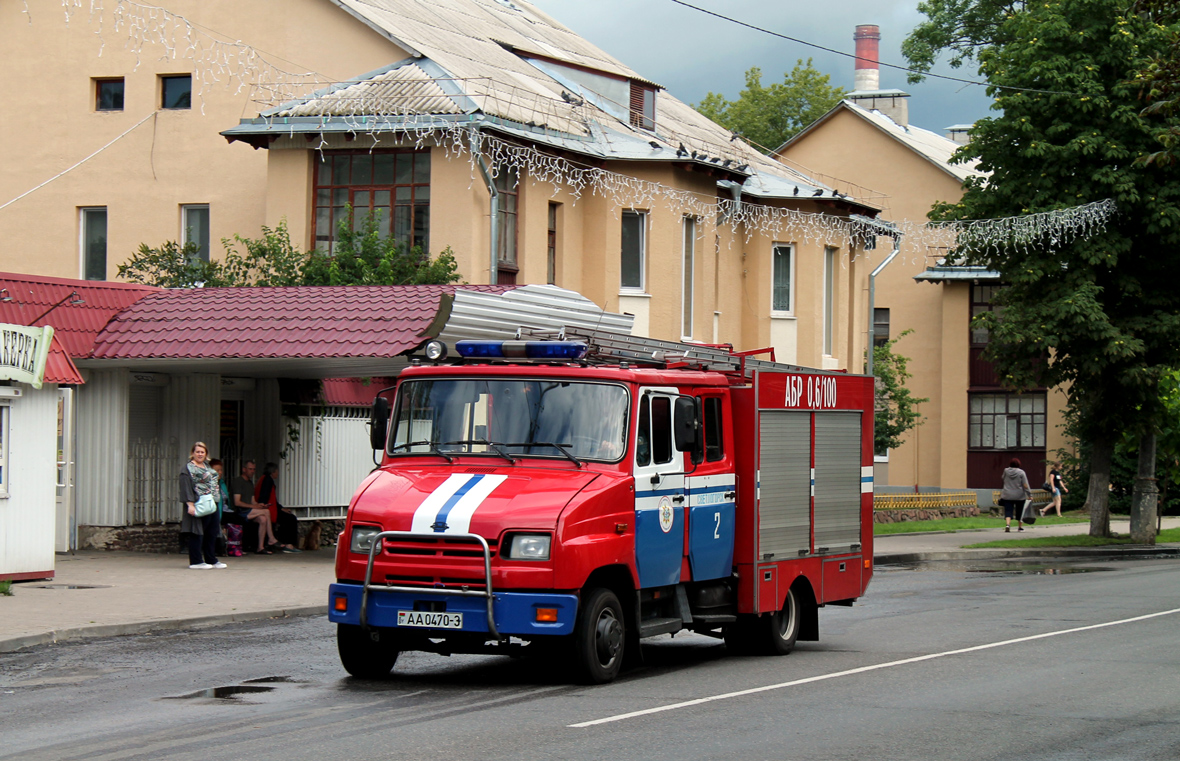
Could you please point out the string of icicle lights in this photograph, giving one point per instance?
(240, 66)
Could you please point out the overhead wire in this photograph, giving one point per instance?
(854, 56)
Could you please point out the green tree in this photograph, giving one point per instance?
(1159, 79)
(961, 28)
(896, 406)
(170, 266)
(770, 115)
(1100, 315)
(363, 256)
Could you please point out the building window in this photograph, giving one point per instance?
(781, 295)
(108, 94)
(508, 188)
(634, 251)
(643, 106)
(551, 248)
(94, 243)
(194, 228)
(176, 91)
(394, 185)
(687, 266)
(880, 327)
(4, 469)
(1006, 421)
(829, 297)
(981, 302)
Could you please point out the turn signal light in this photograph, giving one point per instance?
(546, 615)
(341, 604)
(868, 563)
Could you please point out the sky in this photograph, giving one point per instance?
(692, 54)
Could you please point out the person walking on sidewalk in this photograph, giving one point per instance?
(1056, 488)
(199, 485)
(1015, 491)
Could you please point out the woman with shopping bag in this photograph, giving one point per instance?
(1014, 493)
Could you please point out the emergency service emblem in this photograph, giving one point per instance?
(666, 514)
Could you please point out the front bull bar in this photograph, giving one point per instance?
(379, 542)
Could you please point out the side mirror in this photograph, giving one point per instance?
(379, 423)
(686, 424)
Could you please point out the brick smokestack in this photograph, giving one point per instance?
(868, 43)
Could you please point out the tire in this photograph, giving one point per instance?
(600, 636)
(366, 655)
(782, 627)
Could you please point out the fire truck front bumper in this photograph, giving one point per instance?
(515, 613)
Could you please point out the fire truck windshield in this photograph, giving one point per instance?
(516, 417)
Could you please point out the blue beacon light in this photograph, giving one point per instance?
(552, 350)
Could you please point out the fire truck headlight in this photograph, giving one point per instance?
(362, 538)
(529, 547)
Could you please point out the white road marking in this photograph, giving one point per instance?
(861, 670)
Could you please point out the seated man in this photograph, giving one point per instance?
(244, 504)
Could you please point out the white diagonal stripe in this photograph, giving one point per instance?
(427, 512)
(459, 518)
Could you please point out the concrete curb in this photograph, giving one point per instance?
(13, 644)
(1059, 553)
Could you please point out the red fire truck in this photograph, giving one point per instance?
(574, 496)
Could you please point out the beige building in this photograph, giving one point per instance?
(603, 182)
(148, 112)
(973, 426)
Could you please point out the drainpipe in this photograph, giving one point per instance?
(879, 228)
(495, 205)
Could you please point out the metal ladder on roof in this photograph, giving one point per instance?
(616, 347)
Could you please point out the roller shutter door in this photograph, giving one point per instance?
(784, 527)
(837, 480)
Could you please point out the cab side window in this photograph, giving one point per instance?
(643, 435)
(714, 443)
(661, 429)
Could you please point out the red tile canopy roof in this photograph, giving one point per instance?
(25, 297)
(58, 367)
(263, 323)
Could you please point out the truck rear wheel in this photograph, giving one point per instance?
(600, 637)
(366, 655)
(782, 627)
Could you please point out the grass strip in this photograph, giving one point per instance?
(1078, 540)
(965, 524)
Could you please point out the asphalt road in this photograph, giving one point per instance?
(884, 682)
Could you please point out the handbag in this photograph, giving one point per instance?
(205, 505)
(1029, 515)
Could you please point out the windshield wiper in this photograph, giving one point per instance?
(433, 449)
(492, 445)
(559, 447)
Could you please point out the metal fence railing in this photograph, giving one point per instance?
(151, 483)
(924, 500)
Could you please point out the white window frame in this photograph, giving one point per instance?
(5, 436)
(185, 208)
(688, 236)
(791, 289)
(82, 210)
(829, 299)
(644, 216)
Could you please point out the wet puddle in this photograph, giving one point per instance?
(235, 691)
(995, 569)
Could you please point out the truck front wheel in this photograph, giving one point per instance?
(599, 637)
(366, 655)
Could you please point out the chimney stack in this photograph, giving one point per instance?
(868, 45)
(867, 92)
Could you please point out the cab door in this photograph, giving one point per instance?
(660, 498)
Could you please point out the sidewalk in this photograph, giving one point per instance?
(133, 593)
(916, 548)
